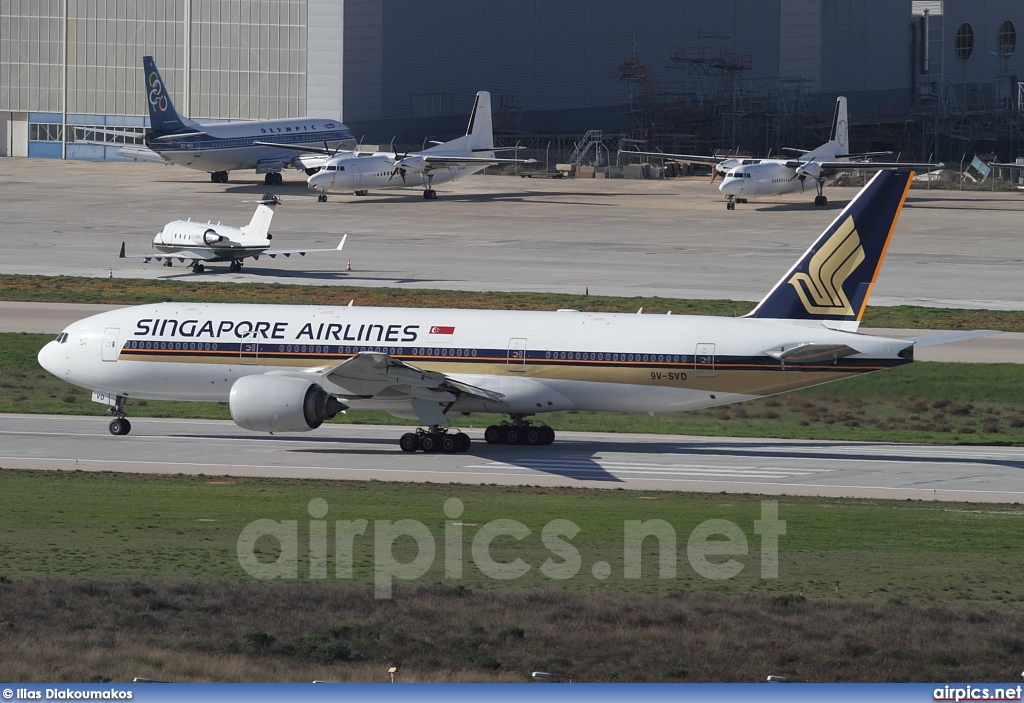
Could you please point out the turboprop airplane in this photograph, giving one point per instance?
(746, 177)
(361, 172)
(286, 368)
(200, 243)
(228, 146)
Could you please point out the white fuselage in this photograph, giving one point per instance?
(537, 361)
(223, 242)
(371, 171)
(230, 146)
(764, 177)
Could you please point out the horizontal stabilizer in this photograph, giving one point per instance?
(934, 340)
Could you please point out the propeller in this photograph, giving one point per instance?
(399, 169)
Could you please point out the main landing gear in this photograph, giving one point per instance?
(322, 198)
(820, 200)
(235, 266)
(434, 440)
(119, 425)
(197, 267)
(519, 431)
(430, 194)
(362, 193)
(219, 176)
(273, 179)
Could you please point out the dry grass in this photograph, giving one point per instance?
(187, 631)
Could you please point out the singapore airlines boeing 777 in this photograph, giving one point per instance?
(289, 368)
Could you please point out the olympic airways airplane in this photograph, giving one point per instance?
(200, 243)
(222, 147)
(361, 172)
(746, 177)
(288, 368)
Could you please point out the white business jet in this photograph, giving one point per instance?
(361, 172)
(228, 146)
(747, 177)
(286, 368)
(200, 243)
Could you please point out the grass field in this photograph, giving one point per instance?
(921, 402)
(109, 526)
(109, 576)
(124, 291)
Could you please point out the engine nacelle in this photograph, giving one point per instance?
(210, 237)
(812, 170)
(267, 403)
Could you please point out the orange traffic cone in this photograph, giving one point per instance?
(348, 266)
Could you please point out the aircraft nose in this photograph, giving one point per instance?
(49, 358)
(318, 181)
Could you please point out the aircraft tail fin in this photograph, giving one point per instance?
(833, 279)
(839, 137)
(162, 115)
(259, 226)
(480, 130)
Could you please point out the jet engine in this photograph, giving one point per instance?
(211, 238)
(267, 403)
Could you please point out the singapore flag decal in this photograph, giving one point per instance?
(439, 329)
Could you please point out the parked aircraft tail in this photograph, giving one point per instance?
(480, 129)
(833, 279)
(259, 226)
(838, 143)
(162, 115)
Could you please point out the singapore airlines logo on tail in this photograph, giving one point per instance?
(821, 288)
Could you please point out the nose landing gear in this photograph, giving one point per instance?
(120, 425)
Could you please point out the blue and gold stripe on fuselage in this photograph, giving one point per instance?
(757, 375)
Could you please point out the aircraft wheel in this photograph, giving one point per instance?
(824, 201)
(200, 268)
(549, 435)
(362, 192)
(168, 263)
(120, 426)
(494, 434)
(430, 443)
(409, 442)
(533, 436)
(450, 443)
(730, 206)
(268, 179)
(215, 177)
(464, 442)
(433, 194)
(322, 198)
(513, 435)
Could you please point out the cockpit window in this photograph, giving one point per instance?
(61, 338)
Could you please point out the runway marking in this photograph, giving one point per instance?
(615, 468)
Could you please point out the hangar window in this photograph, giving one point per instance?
(1006, 39)
(964, 41)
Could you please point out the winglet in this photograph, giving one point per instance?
(833, 279)
(121, 255)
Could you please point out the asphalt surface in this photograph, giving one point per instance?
(592, 460)
(615, 237)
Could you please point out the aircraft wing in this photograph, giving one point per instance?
(376, 374)
(186, 255)
(302, 147)
(272, 253)
(369, 373)
(862, 165)
(141, 153)
(686, 158)
(473, 160)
